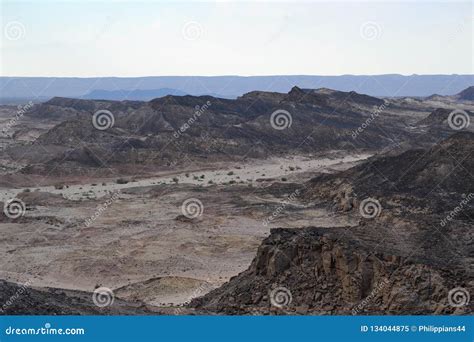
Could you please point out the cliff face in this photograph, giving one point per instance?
(317, 271)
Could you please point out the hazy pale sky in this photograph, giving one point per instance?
(154, 38)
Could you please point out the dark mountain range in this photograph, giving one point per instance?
(257, 124)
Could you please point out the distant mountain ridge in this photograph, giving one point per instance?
(392, 85)
(136, 94)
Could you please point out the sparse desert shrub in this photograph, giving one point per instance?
(187, 174)
(230, 173)
(176, 180)
(202, 176)
(210, 182)
(122, 181)
(284, 179)
(292, 168)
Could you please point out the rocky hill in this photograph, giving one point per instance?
(413, 244)
(435, 178)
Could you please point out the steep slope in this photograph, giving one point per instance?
(411, 250)
(436, 178)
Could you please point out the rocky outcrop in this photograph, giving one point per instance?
(317, 271)
(411, 252)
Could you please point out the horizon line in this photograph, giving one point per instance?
(243, 76)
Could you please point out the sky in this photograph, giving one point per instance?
(158, 38)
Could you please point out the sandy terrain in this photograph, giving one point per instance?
(134, 238)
